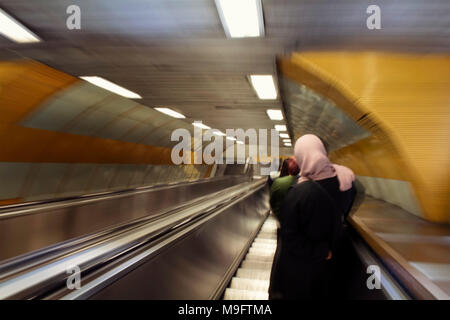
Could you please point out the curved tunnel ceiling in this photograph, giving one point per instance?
(175, 53)
(310, 112)
(403, 100)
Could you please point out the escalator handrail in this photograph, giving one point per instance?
(127, 263)
(417, 284)
(27, 208)
(390, 287)
(30, 259)
(30, 282)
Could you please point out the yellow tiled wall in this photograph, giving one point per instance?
(404, 100)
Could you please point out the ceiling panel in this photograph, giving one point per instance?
(175, 53)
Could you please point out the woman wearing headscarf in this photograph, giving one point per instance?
(312, 212)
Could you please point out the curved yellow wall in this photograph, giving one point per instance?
(24, 86)
(404, 100)
(42, 156)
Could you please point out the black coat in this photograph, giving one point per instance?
(311, 226)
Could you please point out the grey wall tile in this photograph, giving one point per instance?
(123, 176)
(117, 129)
(118, 105)
(46, 181)
(397, 192)
(102, 177)
(58, 111)
(93, 122)
(12, 177)
(78, 180)
(137, 180)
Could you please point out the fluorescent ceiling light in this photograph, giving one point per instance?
(284, 135)
(241, 18)
(14, 30)
(274, 114)
(280, 127)
(200, 125)
(240, 142)
(231, 138)
(264, 86)
(108, 85)
(288, 145)
(171, 113)
(287, 140)
(219, 133)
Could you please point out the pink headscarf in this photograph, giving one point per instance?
(313, 162)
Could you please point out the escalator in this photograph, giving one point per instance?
(168, 249)
(217, 243)
(251, 281)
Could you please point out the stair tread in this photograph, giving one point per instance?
(237, 294)
(249, 284)
(253, 274)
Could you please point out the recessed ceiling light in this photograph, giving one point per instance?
(274, 114)
(280, 127)
(108, 85)
(200, 125)
(241, 18)
(264, 86)
(284, 135)
(288, 145)
(287, 140)
(219, 133)
(14, 30)
(171, 113)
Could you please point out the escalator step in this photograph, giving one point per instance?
(236, 294)
(263, 246)
(249, 284)
(253, 274)
(268, 229)
(257, 265)
(262, 252)
(267, 236)
(255, 257)
(265, 241)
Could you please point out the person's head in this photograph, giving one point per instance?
(284, 171)
(293, 168)
(311, 157)
(289, 167)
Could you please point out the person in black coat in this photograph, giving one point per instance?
(311, 226)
